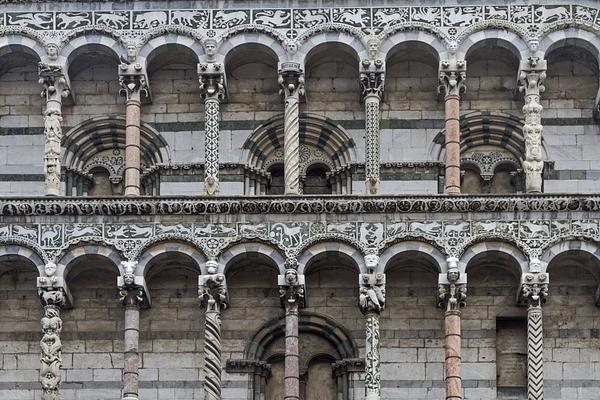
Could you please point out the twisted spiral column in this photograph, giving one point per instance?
(291, 144)
(212, 352)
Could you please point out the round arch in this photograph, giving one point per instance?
(19, 250)
(499, 246)
(269, 251)
(310, 44)
(331, 248)
(82, 44)
(260, 38)
(501, 38)
(26, 44)
(589, 247)
(423, 37)
(412, 245)
(170, 246)
(570, 37)
(309, 322)
(82, 250)
(164, 43)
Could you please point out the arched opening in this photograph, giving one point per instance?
(276, 184)
(101, 184)
(491, 78)
(316, 180)
(471, 182)
(499, 325)
(332, 78)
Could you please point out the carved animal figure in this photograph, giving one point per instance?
(137, 231)
(457, 16)
(117, 231)
(426, 14)
(79, 231)
(233, 18)
(424, 227)
(487, 226)
(184, 18)
(457, 229)
(24, 231)
(497, 13)
(587, 227)
(179, 228)
(71, 21)
(394, 229)
(38, 20)
(583, 14)
(116, 21)
(273, 18)
(521, 15)
(383, 19)
(290, 235)
(552, 14)
(5, 230)
(354, 17)
(309, 19)
(253, 229)
(150, 19)
(345, 229)
(50, 236)
(535, 229)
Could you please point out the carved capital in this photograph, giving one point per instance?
(53, 80)
(52, 296)
(371, 296)
(212, 291)
(133, 81)
(452, 287)
(291, 286)
(291, 79)
(132, 288)
(372, 78)
(534, 289)
(452, 76)
(348, 365)
(212, 81)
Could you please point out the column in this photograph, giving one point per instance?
(452, 294)
(291, 290)
(372, 84)
(531, 78)
(371, 303)
(534, 290)
(132, 78)
(291, 82)
(212, 90)
(133, 295)
(53, 298)
(452, 84)
(55, 88)
(212, 291)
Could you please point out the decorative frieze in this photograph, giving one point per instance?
(53, 299)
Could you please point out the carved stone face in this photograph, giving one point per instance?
(373, 45)
(453, 275)
(52, 51)
(291, 276)
(210, 46)
(50, 269)
(534, 44)
(131, 53)
(452, 45)
(371, 261)
(291, 46)
(211, 266)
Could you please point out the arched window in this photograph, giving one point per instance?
(96, 148)
(322, 143)
(316, 180)
(276, 183)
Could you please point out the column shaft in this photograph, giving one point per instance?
(211, 145)
(535, 353)
(452, 358)
(372, 357)
(452, 161)
(132, 146)
(291, 144)
(372, 144)
(131, 349)
(51, 346)
(212, 352)
(292, 357)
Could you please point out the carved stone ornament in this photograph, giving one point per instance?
(291, 287)
(452, 288)
(452, 76)
(132, 288)
(52, 301)
(132, 78)
(371, 292)
(534, 289)
(212, 291)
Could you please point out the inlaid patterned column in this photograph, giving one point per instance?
(132, 79)
(291, 290)
(212, 291)
(372, 84)
(53, 298)
(55, 88)
(452, 84)
(531, 78)
(291, 82)
(534, 290)
(371, 303)
(132, 295)
(452, 294)
(213, 91)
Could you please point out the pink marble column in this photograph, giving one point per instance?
(292, 357)
(452, 161)
(132, 146)
(131, 344)
(453, 358)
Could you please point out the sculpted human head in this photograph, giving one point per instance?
(52, 51)
(291, 276)
(50, 269)
(131, 53)
(210, 46)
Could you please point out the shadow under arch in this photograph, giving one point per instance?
(509, 250)
(192, 255)
(325, 249)
(233, 253)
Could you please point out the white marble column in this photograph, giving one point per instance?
(291, 82)
(371, 303)
(212, 291)
(531, 78)
(534, 290)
